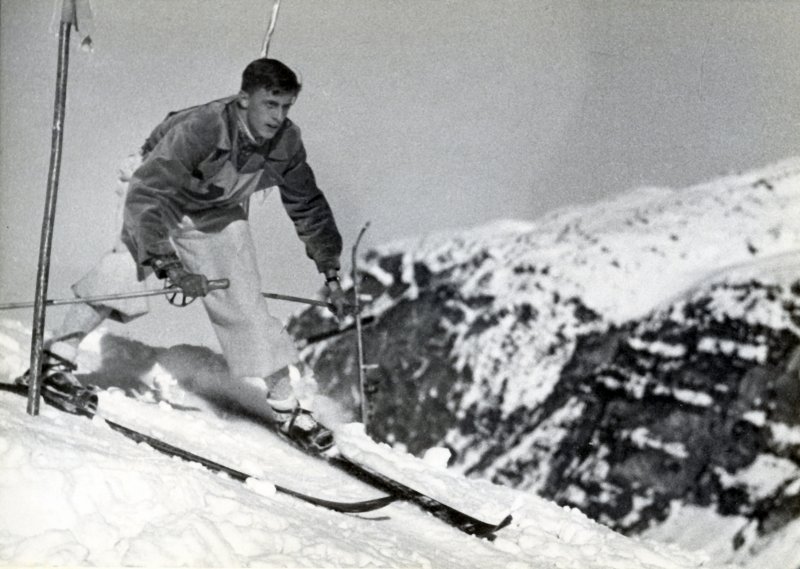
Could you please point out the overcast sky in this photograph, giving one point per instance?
(418, 115)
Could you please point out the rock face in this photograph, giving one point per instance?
(696, 404)
(622, 358)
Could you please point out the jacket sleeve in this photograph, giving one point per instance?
(311, 214)
(158, 189)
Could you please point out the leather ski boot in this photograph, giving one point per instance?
(61, 388)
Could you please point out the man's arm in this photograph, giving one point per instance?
(158, 189)
(315, 225)
(311, 214)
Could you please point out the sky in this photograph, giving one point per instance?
(417, 115)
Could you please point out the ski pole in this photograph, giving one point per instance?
(362, 367)
(68, 19)
(311, 301)
(273, 19)
(298, 299)
(216, 284)
(212, 285)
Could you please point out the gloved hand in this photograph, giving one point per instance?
(170, 267)
(192, 284)
(336, 298)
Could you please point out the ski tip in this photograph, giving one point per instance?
(488, 532)
(505, 523)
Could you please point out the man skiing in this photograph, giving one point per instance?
(185, 219)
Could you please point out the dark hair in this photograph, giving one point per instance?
(270, 74)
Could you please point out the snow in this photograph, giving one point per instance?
(785, 435)
(744, 351)
(520, 294)
(75, 493)
(702, 529)
(658, 348)
(691, 397)
(766, 475)
(699, 233)
(439, 483)
(757, 418)
(639, 252)
(641, 437)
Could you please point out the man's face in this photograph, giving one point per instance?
(265, 112)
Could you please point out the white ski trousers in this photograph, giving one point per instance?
(254, 343)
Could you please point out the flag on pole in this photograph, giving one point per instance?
(80, 14)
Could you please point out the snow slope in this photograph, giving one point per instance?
(73, 492)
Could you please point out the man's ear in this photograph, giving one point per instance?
(244, 99)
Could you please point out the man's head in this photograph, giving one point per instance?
(271, 75)
(269, 88)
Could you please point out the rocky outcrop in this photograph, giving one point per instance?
(621, 358)
(696, 404)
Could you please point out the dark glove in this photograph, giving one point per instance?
(337, 303)
(170, 267)
(192, 284)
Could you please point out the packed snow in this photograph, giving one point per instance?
(74, 492)
(428, 475)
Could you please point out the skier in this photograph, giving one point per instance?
(185, 220)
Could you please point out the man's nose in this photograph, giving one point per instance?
(279, 114)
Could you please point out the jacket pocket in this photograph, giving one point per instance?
(217, 188)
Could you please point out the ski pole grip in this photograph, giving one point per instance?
(218, 284)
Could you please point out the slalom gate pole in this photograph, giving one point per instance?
(68, 19)
(359, 340)
(273, 19)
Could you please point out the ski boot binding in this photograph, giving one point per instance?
(300, 426)
(60, 387)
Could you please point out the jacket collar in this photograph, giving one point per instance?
(275, 148)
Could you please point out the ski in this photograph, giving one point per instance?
(445, 512)
(449, 514)
(82, 401)
(171, 450)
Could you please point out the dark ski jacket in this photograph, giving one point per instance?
(195, 165)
